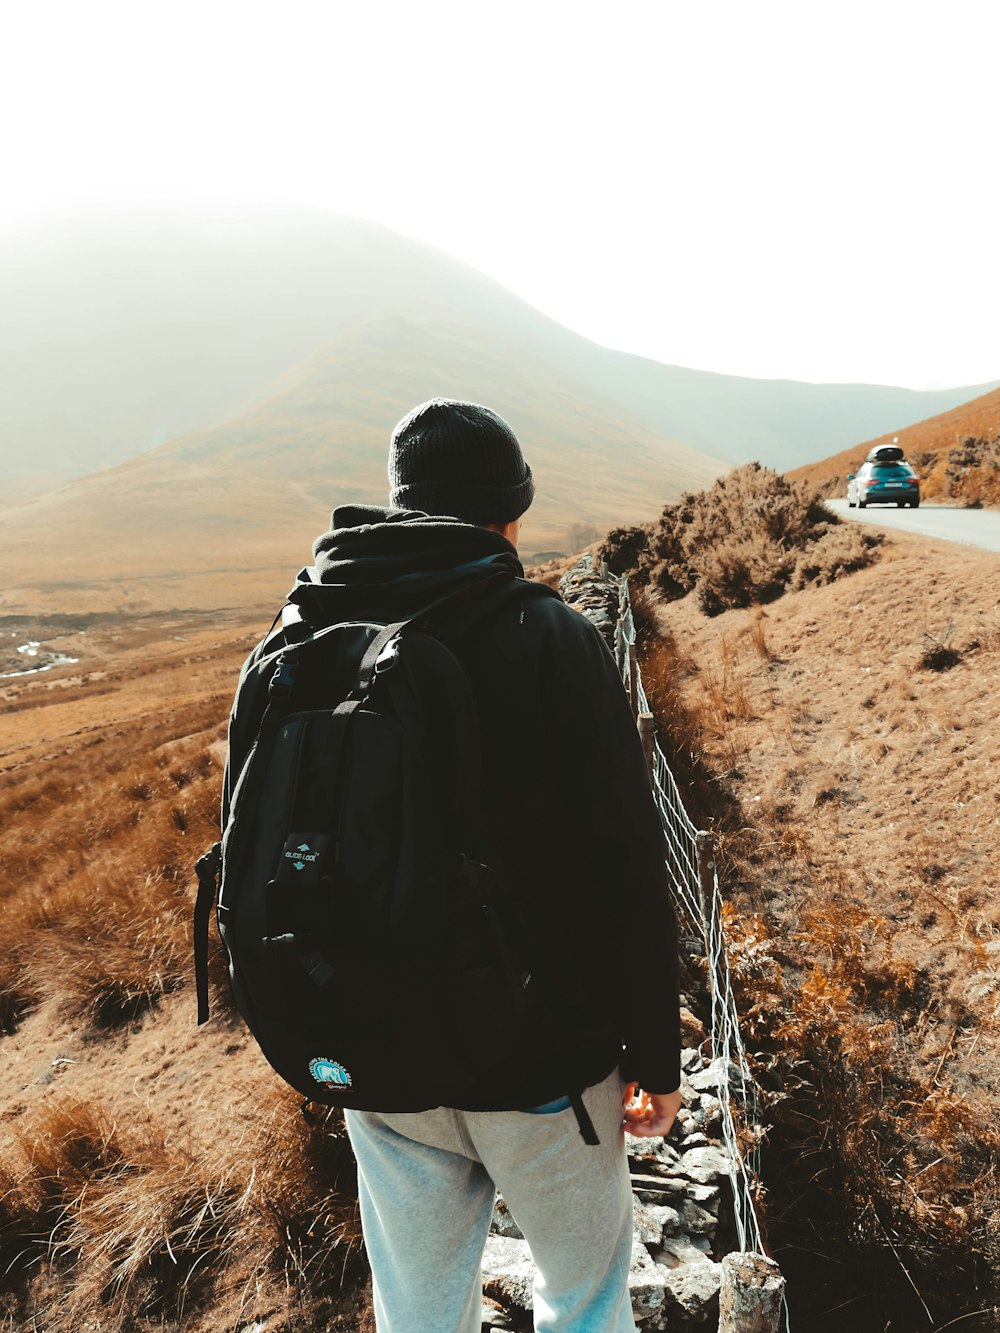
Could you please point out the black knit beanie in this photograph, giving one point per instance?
(459, 459)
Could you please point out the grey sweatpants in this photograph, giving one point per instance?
(427, 1183)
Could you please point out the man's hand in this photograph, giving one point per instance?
(650, 1114)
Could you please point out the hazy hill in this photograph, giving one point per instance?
(116, 337)
(225, 516)
(929, 446)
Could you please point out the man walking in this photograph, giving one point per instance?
(567, 817)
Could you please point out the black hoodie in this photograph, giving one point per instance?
(568, 813)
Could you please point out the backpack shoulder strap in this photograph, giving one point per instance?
(431, 618)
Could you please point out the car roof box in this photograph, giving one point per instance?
(885, 453)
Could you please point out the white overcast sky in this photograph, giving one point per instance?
(792, 189)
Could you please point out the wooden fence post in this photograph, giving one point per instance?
(647, 732)
(706, 876)
(620, 649)
(633, 679)
(751, 1298)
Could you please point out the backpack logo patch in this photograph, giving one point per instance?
(329, 1072)
(302, 856)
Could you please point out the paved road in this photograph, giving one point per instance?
(970, 527)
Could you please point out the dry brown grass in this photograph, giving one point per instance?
(904, 1155)
(856, 816)
(136, 1223)
(666, 670)
(758, 635)
(97, 854)
(152, 1175)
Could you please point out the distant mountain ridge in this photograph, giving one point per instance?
(120, 336)
(218, 516)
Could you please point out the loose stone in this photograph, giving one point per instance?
(646, 1281)
(695, 1290)
(508, 1272)
(653, 1221)
(697, 1220)
(503, 1223)
(676, 1251)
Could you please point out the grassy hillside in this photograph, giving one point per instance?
(956, 453)
(828, 698)
(226, 517)
(153, 1175)
(119, 335)
(842, 741)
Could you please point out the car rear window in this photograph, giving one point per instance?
(892, 470)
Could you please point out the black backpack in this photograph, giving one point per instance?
(377, 961)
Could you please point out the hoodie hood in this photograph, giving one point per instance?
(385, 564)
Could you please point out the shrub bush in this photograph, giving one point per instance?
(841, 549)
(742, 542)
(740, 572)
(623, 547)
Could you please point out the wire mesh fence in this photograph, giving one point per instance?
(690, 862)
